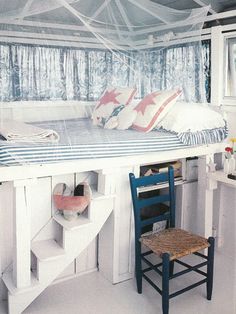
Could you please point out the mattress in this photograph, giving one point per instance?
(79, 139)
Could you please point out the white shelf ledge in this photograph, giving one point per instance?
(220, 176)
(178, 181)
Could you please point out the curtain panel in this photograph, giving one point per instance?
(49, 73)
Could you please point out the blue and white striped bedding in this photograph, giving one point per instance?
(204, 137)
(79, 139)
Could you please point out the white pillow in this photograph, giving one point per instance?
(153, 108)
(191, 117)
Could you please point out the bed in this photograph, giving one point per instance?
(80, 139)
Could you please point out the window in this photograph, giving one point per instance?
(230, 67)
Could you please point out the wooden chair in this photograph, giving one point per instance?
(169, 244)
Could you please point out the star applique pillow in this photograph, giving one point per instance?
(121, 118)
(153, 108)
(112, 97)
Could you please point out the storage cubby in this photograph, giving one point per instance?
(91, 177)
(186, 173)
(150, 169)
(191, 169)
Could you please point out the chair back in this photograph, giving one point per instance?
(139, 203)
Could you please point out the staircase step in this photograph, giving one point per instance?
(8, 280)
(79, 222)
(47, 250)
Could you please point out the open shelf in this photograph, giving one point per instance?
(178, 181)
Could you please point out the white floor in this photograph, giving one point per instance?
(92, 294)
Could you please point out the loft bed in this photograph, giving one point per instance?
(28, 173)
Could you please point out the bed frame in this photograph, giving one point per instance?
(26, 212)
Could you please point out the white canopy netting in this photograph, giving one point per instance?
(133, 39)
(130, 59)
(116, 24)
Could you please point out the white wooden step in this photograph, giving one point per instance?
(8, 280)
(47, 250)
(80, 221)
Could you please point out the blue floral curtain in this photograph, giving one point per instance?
(41, 73)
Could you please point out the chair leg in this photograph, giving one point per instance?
(171, 268)
(210, 267)
(165, 283)
(138, 267)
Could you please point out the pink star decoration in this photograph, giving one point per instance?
(109, 96)
(148, 100)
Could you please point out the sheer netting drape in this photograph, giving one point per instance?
(47, 73)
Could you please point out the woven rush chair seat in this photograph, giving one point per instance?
(176, 242)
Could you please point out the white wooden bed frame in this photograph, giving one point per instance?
(21, 209)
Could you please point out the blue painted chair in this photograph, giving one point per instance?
(170, 244)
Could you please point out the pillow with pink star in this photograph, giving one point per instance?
(153, 108)
(112, 97)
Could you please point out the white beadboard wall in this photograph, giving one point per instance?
(232, 123)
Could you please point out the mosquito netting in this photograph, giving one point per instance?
(76, 74)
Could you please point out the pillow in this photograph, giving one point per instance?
(112, 121)
(112, 98)
(121, 118)
(191, 117)
(126, 118)
(153, 108)
(195, 124)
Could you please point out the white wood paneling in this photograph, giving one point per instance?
(39, 200)
(188, 199)
(217, 69)
(87, 260)
(204, 220)
(116, 238)
(29, 111)
(21, 234)
(6, 231)
(123, 202)
(227, 218)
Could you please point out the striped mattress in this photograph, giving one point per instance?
(79, 139)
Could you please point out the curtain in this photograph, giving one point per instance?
(43, 73)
